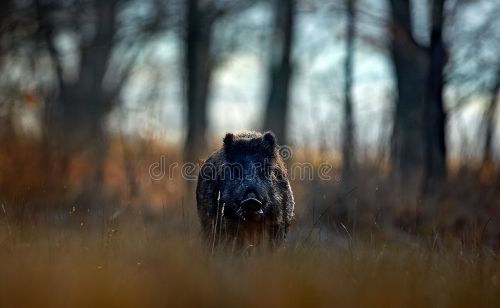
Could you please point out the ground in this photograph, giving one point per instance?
(147, 265)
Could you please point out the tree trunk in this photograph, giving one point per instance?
(280, 69)
(348, 146)
(435, 116)
(489, 122)
(82, 105)
(410, 65)
(75, 120)
(198, 70)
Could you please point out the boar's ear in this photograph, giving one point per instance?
(228, 140)
(269, 141)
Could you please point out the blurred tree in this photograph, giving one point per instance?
(474, 70)
(410, 61)
(280, 69)
(348, 135)
(489, 122)
(83, 101)
(104, 50)
(473, 62)
(435, 115)
(201, 16)
(5, 16)
(15, 27)
(92, 45)
(200, 19)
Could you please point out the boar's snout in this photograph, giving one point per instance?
(251, 208)
(251, 204)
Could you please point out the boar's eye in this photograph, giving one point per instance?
(266, 169)
(237, 172)
(234, 171)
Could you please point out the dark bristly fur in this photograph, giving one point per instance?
(246, 162)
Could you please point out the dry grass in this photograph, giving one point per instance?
(141, 266)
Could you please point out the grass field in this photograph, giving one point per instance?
(152, 265)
